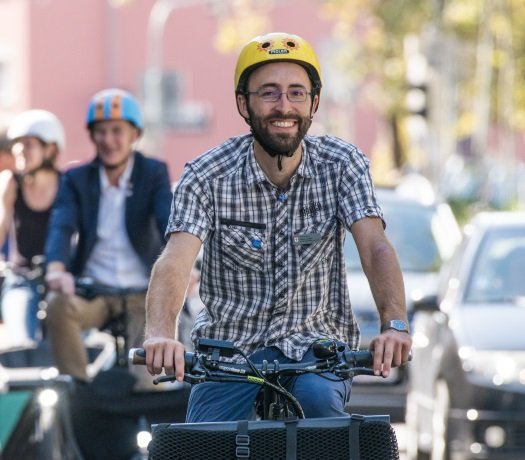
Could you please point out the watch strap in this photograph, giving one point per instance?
(397, 324)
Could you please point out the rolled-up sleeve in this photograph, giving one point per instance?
(190, 207)
(357, 197)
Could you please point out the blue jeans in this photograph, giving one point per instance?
(225, 401)
(20, 300)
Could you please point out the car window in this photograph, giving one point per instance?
(414, 232)
(498, 268)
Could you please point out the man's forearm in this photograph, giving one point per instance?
(164, 300)
(386, 282)
(169, 281)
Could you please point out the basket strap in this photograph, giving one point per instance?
(355, 424)
(242, 440)
(291, 438)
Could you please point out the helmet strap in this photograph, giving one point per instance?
(270, 151)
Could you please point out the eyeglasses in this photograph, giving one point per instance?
(273, 94)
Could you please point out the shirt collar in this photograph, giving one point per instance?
(256, 175)
(307, 168)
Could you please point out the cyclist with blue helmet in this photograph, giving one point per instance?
(107, 226)
(271, 210)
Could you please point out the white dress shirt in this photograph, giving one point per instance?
(113, 261)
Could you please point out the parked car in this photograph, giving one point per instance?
(466, 395)
(424, 234)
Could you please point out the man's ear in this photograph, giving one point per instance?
(242, 106)
(315, 103)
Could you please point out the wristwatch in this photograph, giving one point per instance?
(396, 324)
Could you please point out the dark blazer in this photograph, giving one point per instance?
(72, 230)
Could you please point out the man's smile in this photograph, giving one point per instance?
(283, 123)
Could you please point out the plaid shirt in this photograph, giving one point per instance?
(273, 270)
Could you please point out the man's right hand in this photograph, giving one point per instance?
(162, 352)
(60, 281)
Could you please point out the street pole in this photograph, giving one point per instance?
(158, 17)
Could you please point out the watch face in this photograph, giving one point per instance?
(399, 325)
(396, 324)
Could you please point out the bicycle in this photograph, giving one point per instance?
(117, 326)
(282, 431)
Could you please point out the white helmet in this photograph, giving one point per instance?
(40, 124)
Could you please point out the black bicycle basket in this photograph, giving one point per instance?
(352, 438)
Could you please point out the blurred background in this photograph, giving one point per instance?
(434, 87)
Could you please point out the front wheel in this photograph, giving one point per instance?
(440, 422)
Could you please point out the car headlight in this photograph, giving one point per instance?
(498, 367)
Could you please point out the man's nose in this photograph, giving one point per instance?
(283, 101)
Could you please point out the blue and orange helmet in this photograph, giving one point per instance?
(114, 104)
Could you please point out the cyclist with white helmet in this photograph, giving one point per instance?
(27, 195)
(271, 210)
(107, 226)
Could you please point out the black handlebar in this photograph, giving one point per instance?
(206, 364)
(137, 356)
(89, 289)
(197, 366)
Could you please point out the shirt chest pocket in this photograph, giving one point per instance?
(314, 244)
(242, 245)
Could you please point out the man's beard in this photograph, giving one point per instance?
(278, 144)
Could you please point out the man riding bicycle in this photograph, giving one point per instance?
(271, 210)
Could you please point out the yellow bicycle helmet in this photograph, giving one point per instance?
(277, 46)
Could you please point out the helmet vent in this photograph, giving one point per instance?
(266, 45)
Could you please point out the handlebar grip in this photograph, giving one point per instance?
(137, 356)
(363, 358)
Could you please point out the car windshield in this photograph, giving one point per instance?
(497, 272)
(414, 232)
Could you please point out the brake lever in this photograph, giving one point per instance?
(355, 371)
(164, 378)
(188, 378)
